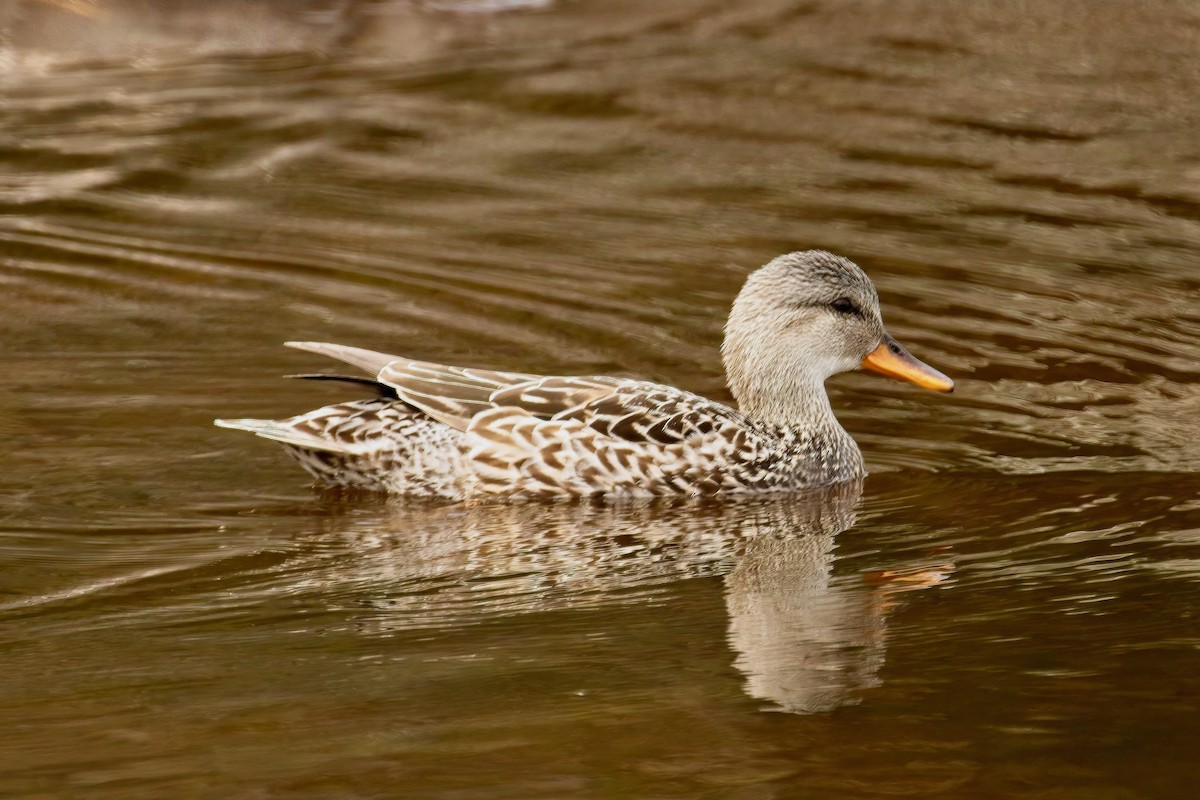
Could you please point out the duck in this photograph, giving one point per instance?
(460, 433)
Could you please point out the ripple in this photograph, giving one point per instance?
(581, 188)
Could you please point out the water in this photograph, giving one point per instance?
(1007, 607)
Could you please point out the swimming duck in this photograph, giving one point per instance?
(457, 432)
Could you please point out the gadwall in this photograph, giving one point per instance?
(457, 433)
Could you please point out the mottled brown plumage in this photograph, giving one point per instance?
(457, 432)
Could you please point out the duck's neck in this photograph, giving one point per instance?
(794, 402)
(829, 453)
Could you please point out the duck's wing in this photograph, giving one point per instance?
(529, 434)
(651, 414)
(631, 438)
(370, 360)
(455, 395)
(451, 395)
(635, 411)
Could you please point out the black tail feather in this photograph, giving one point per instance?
(380, 389)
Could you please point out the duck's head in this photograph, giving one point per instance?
(800, 319)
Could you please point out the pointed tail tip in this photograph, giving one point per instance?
(369, 360)
(251, 425)
(310, 346)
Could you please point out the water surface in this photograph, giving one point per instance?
(1007, 607)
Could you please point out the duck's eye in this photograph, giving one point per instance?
(844, 305)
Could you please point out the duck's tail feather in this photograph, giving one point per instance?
(282, 432)
(369, 360)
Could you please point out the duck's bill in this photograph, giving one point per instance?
(891, 359)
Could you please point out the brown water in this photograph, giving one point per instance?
(1011, 609)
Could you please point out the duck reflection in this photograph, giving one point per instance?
(805, 639)
(808, 640)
